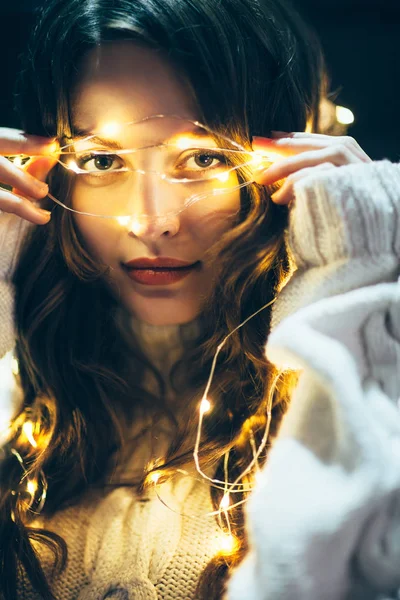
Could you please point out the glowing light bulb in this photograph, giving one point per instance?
(184, 143)
(257, 159)
(205, 406)
(54, 148)
(18, 161)
(223, 176)
(27, 428)
(110, 129)
(123, 221)
(228, 544)
(71, 164)
(344, 115)
(31, 486)
(225, 502)
(133, 224)
(136, 226)
(154, 477)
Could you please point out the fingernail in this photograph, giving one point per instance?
(42, 187)
(42, 211)
(53, 147)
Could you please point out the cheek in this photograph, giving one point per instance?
(209, 218)
(100, 237)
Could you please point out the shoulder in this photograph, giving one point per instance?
(12, 232)
(343, 233)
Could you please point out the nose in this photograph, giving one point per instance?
(157, 209)
(153, 227)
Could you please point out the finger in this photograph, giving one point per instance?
(299, 135)
(37, 169)
(14, 141)
(40, 167)
(268, 146)
(285, 195)
(296, 135)
(337, 155)
(23, 208)
(303, 136)
(15, 177)
(290, 144)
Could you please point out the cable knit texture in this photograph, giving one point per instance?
(324, 519)
(12, 230)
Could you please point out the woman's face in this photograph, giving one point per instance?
(122, 82)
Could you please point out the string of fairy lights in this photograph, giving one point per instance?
(228, 542)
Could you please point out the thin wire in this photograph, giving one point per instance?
(254, 449)
(43, 484)
(165, 216)
(75, 169)
(211, 376)
(98, 152)
(226, 486)
(214, 513)
(160, 116)
(193, 199)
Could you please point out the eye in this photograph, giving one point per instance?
(204, 160)
(99, 162)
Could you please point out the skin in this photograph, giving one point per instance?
(304, 155)
(123, 82)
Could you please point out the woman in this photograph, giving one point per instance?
(112, 367)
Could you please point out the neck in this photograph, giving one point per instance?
(164, 345)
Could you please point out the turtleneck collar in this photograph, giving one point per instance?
(164, 345)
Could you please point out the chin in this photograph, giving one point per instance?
(164, 312)
(165, 321)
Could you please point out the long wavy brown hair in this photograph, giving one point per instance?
(252, 66)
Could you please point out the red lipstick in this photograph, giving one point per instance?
(158, 271)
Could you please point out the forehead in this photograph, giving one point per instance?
(153, 131)
(120, 82)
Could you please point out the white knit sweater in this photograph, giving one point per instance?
(323, 522)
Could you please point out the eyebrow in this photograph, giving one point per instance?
(81, 134)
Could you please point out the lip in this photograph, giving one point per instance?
(159, 271)
(157, 263)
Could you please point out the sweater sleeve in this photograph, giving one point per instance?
(324, 518)
(12, 230)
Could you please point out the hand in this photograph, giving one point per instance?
(28, 182)
(304, 154)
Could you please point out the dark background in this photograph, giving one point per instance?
(361, 42)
